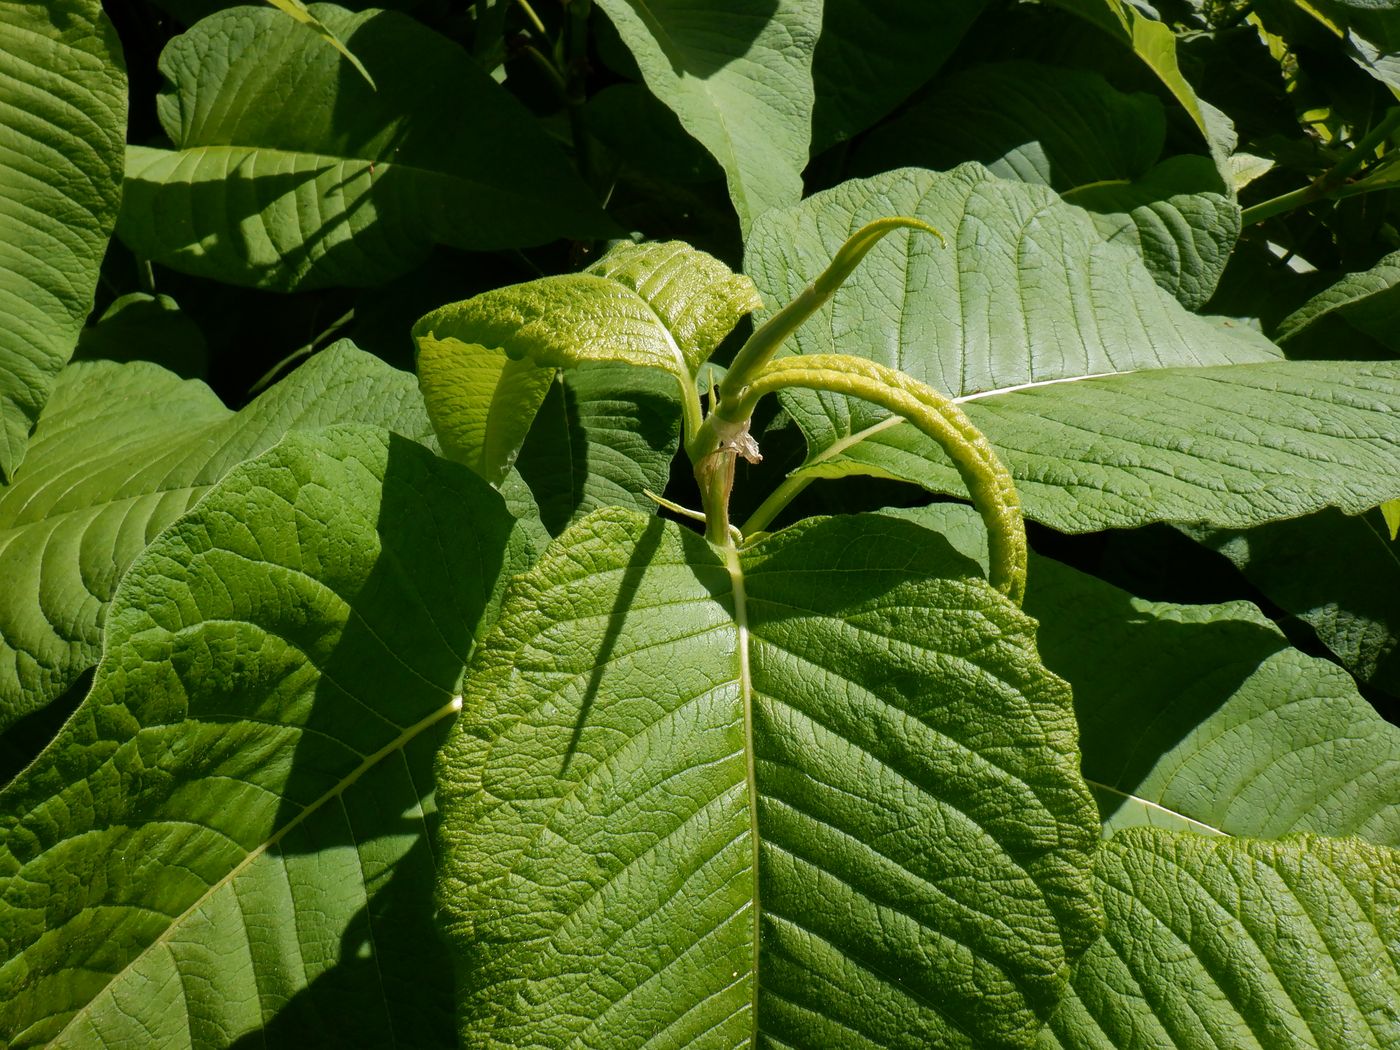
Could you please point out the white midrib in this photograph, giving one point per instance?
(369, 762)
(1199, 825)
(741, 622)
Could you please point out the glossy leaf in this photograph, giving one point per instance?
(229, 837)
(1110, 404)
(63, 96)
(785, 795)
(121, 451)
(337, 183)
(1224, 942)
(738, 74)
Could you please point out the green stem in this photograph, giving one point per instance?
(764, 343)
(1330, 183)
(788, 490)
(524, 5)
(990, 484)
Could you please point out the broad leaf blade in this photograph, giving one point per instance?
(336, 183)
(121, 451)
(597, 798)
(64, 99)
(1231, 943)
(738, 74)
(230, 831)
(1370, 300)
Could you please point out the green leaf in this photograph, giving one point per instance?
(1202, 717)
(840, 737)
(739, 77)
(299, 12)
(1339, 574)
(231, 832)
(1155, 44)
(146, 328)
(605, 435)
(1110, 404)
(1098, 147)
(336, 183)
(1226, 943)
(873, 53)
(120, 452)
(485, 364)
(1369, 300)
(63, 92)
(1370, 32)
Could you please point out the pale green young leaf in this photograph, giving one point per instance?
(230, 838)
(120, 452)
(63, 94)
(335, 183)
(738, 74)
(819, 792)
(485, 364)
(1216, 943)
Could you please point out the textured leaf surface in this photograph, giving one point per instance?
(738, 74)
(62, 125)
(1202, 717)
(485, 364)
(1338, 573)
(121, 451)
(231, 831)
(334, 183)
(1226, 943)
(1370, 300)
(841, 738)
(1097, 146)
(604, 436)
(1069, 357)
(873, 53)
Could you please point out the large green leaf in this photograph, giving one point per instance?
(1203, 717)
(1370, 300)
(120, 452)
(486, 364)
(819, 792)
(231, 832)
(335, 183)
(604, 436)
(738, 74)
(1338, 573)
(1217, 943)
(62, 126)
(1098, 147)
(873, 53)
(1110, 404)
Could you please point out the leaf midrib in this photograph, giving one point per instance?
(335, 791)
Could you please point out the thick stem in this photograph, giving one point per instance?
(990, 484)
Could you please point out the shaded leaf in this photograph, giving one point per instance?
(231, 831)
(141, 327)
(739, 77)
(299, 12)
(1370, 300)
(121, 451)
(1223, 942)
(63, 92)
(336, 183)
(667, 747)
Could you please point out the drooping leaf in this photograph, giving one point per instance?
(840, 738)
(1203, 717)
(1338, 573)
(1234, 943)
(604, 436)
(336, 183)
(63, 95)
(1098, 147)
(738, 74)
(230, 836)
(485, 364)
(1111, 405)
(120, 452)
(1370, 300)
(872, 54)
